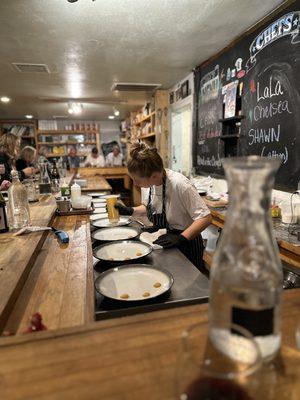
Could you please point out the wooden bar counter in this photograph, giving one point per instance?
(129, 358)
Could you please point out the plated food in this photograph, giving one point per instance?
(105, 223)
(94, 217)
(117, 233)
(134, 282)
(124, 250)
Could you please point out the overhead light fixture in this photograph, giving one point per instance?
(111, 117)
(116, 112)
(28, 116)
(5, 99)
(74, 108)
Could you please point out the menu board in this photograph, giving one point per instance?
(267, 62)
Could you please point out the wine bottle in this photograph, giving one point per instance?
(3, 217)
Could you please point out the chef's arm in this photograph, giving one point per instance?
(139, 211)
(197, 227)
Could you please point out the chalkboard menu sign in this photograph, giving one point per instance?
(267, 64)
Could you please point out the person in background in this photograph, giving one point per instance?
(115, 158)
(94, 159)
(170, 201)
(27, 159)
(74, 160)
(9, 151)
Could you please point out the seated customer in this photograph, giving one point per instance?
(115, 158)
(27, 159)
(9, 151)
(74, 160)
(94, 159)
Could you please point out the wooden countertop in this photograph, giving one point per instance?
(108, 173)
(289, 247)
(18, 253)
(130, 358)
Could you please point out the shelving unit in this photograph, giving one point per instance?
(153, 127)
(93, 139)
(28, 136)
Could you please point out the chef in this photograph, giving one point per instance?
(170, 201)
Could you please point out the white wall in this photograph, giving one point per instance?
(109, 131)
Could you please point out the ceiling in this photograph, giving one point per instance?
(88, 45)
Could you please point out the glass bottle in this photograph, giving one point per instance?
(3, 217)
(45, 183)
(246, 275)
(18, 207)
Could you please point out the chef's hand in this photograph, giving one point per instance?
(149, 229)
(124, 210)
(170, 240)
(5, 185)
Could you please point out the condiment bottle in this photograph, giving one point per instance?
(75, 192)
(65, 189)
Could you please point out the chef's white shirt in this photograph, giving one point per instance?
(114, 161)
(183, 203)
(95, 162)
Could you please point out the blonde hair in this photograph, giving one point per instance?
(144, 160)
(9, 144)
(28, 153)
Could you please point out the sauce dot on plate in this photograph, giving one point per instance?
(124, 296)
(146, 294)
(157, 285)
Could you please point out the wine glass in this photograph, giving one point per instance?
(215, 367)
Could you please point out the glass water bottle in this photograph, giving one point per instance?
(18, 207)
(246, 275)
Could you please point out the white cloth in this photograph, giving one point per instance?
(112, 161)
(183, 203)
(95, 162)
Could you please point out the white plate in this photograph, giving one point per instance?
(122, 250)
(100, 210)
(104, 222)
(94, 194)
(134, 280)
(101, 201)
(100, 207)
(94, 217)
(118, 233)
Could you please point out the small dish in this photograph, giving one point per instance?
(94, 217)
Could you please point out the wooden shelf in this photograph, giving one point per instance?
(232, 119)
(64, 155)
(145, 119)
(63, 143)
(149, 135)
(65, 132)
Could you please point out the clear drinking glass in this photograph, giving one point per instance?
(206, 372)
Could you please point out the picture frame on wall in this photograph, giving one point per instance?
(171, 97)
(185, 89)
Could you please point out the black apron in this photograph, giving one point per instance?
(193, 249)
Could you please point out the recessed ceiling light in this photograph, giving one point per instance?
(116, 112)
(5, 99)
(74, 108)
(111, 117)
(28, 116)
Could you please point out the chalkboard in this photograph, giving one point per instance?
(267, 63)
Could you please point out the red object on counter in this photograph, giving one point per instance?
(36, 324)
